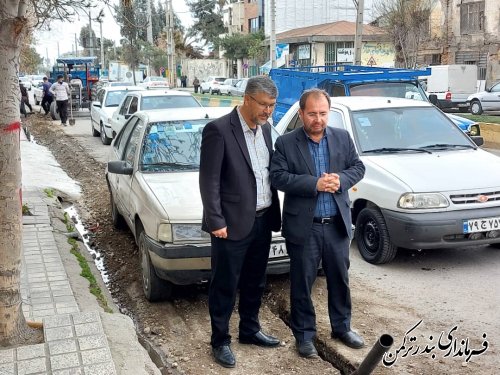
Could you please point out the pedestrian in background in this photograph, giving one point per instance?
(196, 84)
(240, 209)
(25, 100)
(315, 166)
(61, 92)
(47, 95)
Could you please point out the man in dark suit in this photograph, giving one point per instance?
(315, 166)
(240, 209)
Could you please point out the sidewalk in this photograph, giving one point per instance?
(79, 337)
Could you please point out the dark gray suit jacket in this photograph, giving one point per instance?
(293, 172)
(227, 181)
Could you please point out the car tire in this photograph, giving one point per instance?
(37, 102)
(53, 111)
(104, 138)
(495, 245)
(372, 237)
(155, 289)
(476, 108)
(116, 217)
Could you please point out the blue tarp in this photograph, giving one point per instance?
(76, 60)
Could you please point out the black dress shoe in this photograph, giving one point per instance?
(350, 338)
(306, 349)
(224, 356)
(260, 339)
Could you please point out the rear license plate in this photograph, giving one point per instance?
(481, 225)
(277, 250)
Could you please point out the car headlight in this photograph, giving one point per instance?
(422, 200)
(189, 232)
(165, 232)
(474, 130)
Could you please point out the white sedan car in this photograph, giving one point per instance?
(152, 177)
(488, 100)
(155, 82)
(108, 99)
(147, 100)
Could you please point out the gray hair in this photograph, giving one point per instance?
(260, 84)
(315, 92)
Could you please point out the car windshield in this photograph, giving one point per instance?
(114, 98)
(221, 80)
(168, 101)
(396, 130)
(172, 146)
(408, 90)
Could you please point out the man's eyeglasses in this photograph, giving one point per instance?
(262, 105)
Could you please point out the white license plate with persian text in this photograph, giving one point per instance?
(481, 225)
(277, 250)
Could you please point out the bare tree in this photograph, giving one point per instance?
(407, 21)
(17, 20)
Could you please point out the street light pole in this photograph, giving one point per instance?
(91, 42)
(100, 19)
(360, 6)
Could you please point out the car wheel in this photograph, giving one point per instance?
(495, 245)
(372, 237)
(476, 108)
(116, 217)
(37, 102)
(155, 289)
(104, 138)
(53, 111)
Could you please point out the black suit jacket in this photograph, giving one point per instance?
(227, 181)
(293, 172)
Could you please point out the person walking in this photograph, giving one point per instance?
(196, 84)
(25, 100)
(60, 90)
(47, 95)
(240, 209)
(315, 166)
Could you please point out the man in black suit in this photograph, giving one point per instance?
(240, 209)
(315, 165)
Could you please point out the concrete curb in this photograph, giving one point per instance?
(491, 134)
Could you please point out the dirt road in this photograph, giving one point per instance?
(443, 289)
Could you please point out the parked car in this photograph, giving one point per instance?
(239, 88)
(38, 93)
(152, 177)
(147, 100)
(25, 81)
(413, 194)
(155, 82)
(117, 83)
(36, 80)
(225, 86)
(107, 99)
(211, 85)
(488, 100)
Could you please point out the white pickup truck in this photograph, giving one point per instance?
(38, 93)
(427, 184)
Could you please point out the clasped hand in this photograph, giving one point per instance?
(329, 183)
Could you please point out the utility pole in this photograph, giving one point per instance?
(272, 37)
(91, 41)
(150, 23)
(100, 19)
(170, 43)
(76, 47)
(360, 6)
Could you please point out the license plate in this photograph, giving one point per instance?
(481, 225)
(277, 250)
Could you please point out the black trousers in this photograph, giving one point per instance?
(62, 108)
(46, 102)
(329, 244)
(196, 89)
(26, 102)
(238, 264)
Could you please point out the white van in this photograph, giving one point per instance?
(427, 184)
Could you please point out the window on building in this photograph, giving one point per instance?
(472, 17)
(253, 25)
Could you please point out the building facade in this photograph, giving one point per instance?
(464, 32)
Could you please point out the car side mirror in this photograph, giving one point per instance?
(119, 167)
(478, 140)
(127, 116)
(433, 99)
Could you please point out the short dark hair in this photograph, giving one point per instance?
(60, 76)
(314, 92)
(45, 78)
(259, 84)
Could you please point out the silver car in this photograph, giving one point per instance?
(488, 100)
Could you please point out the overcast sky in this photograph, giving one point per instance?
(61, 38)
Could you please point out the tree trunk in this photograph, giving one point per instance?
(13, 327)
